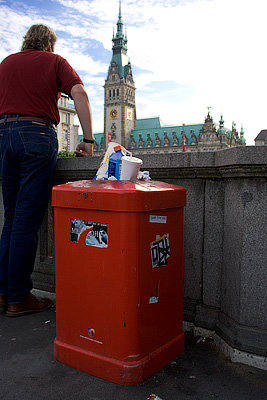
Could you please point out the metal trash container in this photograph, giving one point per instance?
(119, 274)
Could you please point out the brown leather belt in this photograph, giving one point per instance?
(43, 121)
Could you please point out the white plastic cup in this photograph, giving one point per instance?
(130, 166)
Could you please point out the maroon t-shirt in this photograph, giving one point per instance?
(31, 83)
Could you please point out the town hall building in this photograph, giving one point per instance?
(150, 135)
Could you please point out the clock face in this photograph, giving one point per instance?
(113, 114)
(129, 114)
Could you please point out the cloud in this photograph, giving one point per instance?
(13, 27)
(211, 50)
(80, 61)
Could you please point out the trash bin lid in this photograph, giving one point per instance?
(118, 195)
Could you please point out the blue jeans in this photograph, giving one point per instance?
(28, 155)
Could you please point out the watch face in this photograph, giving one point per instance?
(129, 114)
(113, 113)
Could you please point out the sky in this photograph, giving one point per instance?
(186, 55)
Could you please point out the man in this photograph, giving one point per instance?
(31, 83)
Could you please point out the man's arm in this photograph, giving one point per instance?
(83, 108)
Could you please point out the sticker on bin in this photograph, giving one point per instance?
(153, 300)
(92, 233)
(160, 251)
(91, 333)
(158, 219)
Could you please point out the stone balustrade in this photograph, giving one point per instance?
(225, 250)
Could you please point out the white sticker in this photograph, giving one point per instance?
(160, 251)
(158, 219)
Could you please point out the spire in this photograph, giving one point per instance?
(208, 117)
(119, 40)
(242, 135)
(120, 46)
(119, 25)
(119, 12)
(221, 122)
(242, 132)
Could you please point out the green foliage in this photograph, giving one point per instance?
(66, 153)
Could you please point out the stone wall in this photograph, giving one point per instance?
(225, 251)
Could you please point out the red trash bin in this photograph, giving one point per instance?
(119, 274)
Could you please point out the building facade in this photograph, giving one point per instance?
(150, 135)
(67, 131)
(261, 139)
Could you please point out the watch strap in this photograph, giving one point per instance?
(88, 140)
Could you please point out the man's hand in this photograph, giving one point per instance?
(84, 149)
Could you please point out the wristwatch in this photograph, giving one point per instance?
(88, 140)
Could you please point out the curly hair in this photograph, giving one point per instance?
(39, 37)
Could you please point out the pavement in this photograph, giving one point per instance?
(29, 371)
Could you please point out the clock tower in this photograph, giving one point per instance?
(119, 107)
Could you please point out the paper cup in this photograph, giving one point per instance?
(130, 166)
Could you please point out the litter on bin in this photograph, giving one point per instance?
(143, 176)
(154, 397)
(119, 164)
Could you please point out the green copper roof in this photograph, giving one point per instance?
(146, 128)
(148, 123)
(122, 61)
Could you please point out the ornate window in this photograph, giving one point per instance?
(95, 146)
(148, 141)
(157, 140)
(140, 142)
(166, 140)
(132, 143)
(193, 139)
(102, 147)
(174, 139)
(113, 130)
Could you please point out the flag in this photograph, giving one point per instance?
(109, 137)
(183, 141)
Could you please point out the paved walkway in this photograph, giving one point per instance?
(28, 370)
